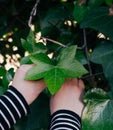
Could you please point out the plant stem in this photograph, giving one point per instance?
(53, 41)
(86, 51)
(33, 13)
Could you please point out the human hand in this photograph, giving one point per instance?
(69, 97)
(29, 89)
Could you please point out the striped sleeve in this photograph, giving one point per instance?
(65, 120)
(12, 107)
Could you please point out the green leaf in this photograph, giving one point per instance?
(26, 45)
(40, 48)
(99, 19)
(39, 71)
(54, 76)
(109, 2)
(2, 71)
(95, 3)
(54, 79)
(103, 54)
(95, 94)
(40, 57)
(25, 60)
(104, 49)
(54, 15)
(81, 57)
(69, 65)
(31, 38)
(80, 12)
(43, 64)
(29, 43)
(73, 69)
(67, 55)
(98, 113)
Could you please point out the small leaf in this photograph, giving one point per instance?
(54, 79)
(29, 43)
(95, 94)
(2, 71)
(26, 45)
(31, 38)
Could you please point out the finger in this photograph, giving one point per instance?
(81, 84)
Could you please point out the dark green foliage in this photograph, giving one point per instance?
(61, 22)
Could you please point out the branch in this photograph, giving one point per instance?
(33, 13)
(53, 41)
(88, 76)
(86, 51)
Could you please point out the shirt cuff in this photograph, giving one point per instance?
(13, 107)
(65, 119)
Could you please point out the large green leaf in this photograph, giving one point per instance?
(28, 44)
(103, 54)
(54, 79)
(99, 19)
(98, 113)
(55, 75)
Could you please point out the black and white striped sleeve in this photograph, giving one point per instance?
(65, 120)
(12, 107)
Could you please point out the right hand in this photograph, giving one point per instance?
(69, 97)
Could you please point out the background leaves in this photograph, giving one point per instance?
(61, 21)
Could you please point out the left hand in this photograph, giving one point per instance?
(29, 89)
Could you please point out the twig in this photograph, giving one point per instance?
(88, 76)
(82, 47)
(53, 41)
(33, 13)
(86, 51)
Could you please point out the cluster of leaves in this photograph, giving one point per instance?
(53, 72)
(64, 21)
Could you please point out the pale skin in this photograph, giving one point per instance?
(69, 97)
(29, 89)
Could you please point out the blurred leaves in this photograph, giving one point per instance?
(62, 21)
(98, 111)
